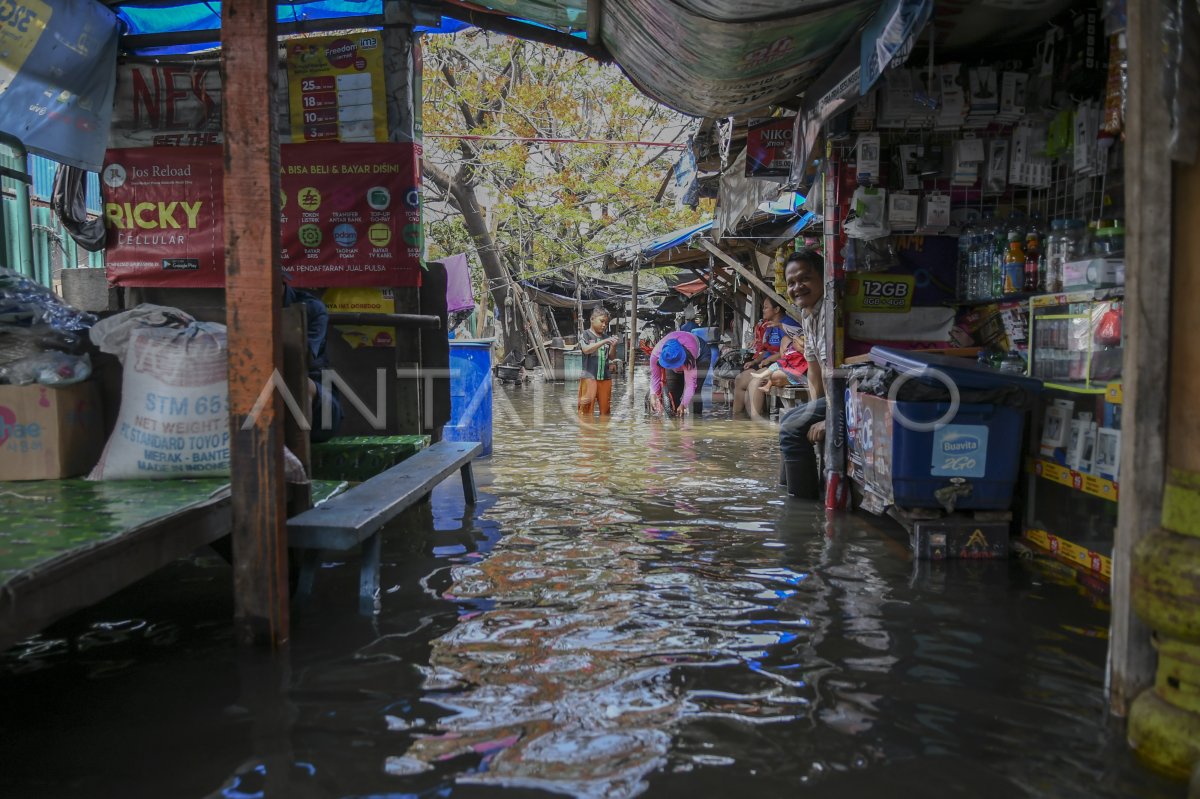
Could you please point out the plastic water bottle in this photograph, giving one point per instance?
(999, 255)
(1056, 249)
(963, 289)
(1013, 363)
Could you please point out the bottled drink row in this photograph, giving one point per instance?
(1001, 258)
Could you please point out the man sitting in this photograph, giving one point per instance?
(803, 426)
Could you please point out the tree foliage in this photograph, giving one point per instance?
(547, 205)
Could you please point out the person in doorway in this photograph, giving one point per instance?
(693, 324)
(599, 359)
(804, 426)
(680, 363)
(325, 405)
(769, 334)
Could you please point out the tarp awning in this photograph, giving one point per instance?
(702, 57)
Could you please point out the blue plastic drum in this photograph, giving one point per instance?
(470, 393)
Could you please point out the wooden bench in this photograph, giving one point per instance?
(355, 517)
(789, 397)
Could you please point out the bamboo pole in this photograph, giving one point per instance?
(579, 323)
(253, 285)
(633, 324)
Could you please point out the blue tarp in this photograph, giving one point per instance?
(674, 239)
(206, 16)
(153, 19)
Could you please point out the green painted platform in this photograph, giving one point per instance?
(360, 458)
(66, 544)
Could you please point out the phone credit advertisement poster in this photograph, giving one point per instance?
(350, 215)
(335, 88)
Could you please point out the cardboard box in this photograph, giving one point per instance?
(47, 432)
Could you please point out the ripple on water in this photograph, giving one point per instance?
(656, 603)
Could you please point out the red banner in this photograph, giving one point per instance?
(350, 215)
(769, 147)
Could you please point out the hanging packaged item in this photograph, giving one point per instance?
(902, 210)
(868, 214)
(996, 176)
(935, 213)
(868, 158)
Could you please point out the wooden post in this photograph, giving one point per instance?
(580, 325)
(531, 324)
(249, 64)
(481, 311)
(402, 116)
(633, 325)
(1147, 331)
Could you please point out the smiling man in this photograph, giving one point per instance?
(804, 425)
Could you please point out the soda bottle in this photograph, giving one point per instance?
(1033, 251)
(1014, 264)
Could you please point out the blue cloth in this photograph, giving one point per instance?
(672, 355)
(793, 430)
(688, 326)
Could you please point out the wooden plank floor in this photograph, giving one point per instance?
(66, 544)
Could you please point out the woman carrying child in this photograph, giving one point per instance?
(769, 335)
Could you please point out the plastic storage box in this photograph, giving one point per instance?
(919, 455)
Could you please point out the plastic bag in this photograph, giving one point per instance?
(69, 201)
(47, 368)
(24, 303)
(729, 365)
(1108, 331)
(111, 335)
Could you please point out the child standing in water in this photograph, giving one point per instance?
(595, 381)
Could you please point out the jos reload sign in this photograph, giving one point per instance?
(350, 215)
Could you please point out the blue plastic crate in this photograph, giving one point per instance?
(979, 448)
(914, 454)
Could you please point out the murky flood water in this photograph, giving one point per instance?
(634, 608)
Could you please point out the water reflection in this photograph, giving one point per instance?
(633, 608)
(658, 610)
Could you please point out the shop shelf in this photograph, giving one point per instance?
(1072, 297)
(1087, 483)
(1077, 388)
(1084, 558)
(1048, 300)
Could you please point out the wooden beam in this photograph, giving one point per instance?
(253, 288)
(1147, 329)
(754, 279)
(1183, 451)
(595, 21)
(402, 113)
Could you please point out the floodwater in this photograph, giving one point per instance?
(634, 608)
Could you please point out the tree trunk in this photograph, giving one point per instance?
(501, 281)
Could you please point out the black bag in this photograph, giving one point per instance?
(729, 365)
